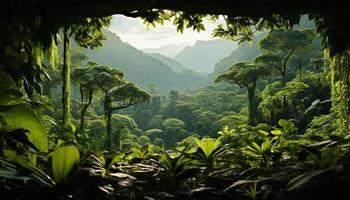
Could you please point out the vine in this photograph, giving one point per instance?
(340, 92)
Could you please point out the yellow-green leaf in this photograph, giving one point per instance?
(63, 161)
(208, 145)
(265, 133)
(276, 132)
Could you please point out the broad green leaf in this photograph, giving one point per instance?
(283, 122)
(287, 125)
(256, 146)
(102, 159)
(265, 133)
(267, 145)
(10, 95)
(116, 159)
(22, 116)
(144, 150)
(276, 132)
(208, 145)
(63, 160)
(165, 161)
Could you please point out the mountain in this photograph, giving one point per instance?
(170, 50)
(245, 52)
(203, 55)
(173, 64)
(140, 67)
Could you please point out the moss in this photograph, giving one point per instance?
(340, 91)
(66, 87)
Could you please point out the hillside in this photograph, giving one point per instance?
(203, 55)
(173, 64)
(245, 52)
(141, 68)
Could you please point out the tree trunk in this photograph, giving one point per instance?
(65, 84)
(251, 107)
(284, 74)
(284, 81)
(275, 112)
(284, 65)
(81, 90)
(108, 140)
(300, 71)
(117, 139)
(108, 116)
(347, 98)
(294, 104)
(339, 92)
(84, 109)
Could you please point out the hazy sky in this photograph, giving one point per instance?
(134, 32)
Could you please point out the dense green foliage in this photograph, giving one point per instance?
(246, 75)
(277, 130)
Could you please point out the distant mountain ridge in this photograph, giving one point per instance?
(245, 52)
(203, 55)
(140, 67)
(172, 63)
(170, 50)
(248, 52)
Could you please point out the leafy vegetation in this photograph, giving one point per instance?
(274, 126)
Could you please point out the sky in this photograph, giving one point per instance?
(134, 32)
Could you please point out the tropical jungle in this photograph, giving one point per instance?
(99, 101)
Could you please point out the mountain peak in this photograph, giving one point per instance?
(141, 67)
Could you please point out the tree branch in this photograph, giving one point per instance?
(125, 105)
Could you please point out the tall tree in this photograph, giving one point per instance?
(245, 75)
(85, 81)
(270, 105)
(299, 61)
(295, 92)
(280, 45)
(86, 33)
(65, 83)
(107, 78)
(118, 98)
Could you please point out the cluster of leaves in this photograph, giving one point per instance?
(284, 54)
(276, 166)
(254, 163)
(116, 92)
